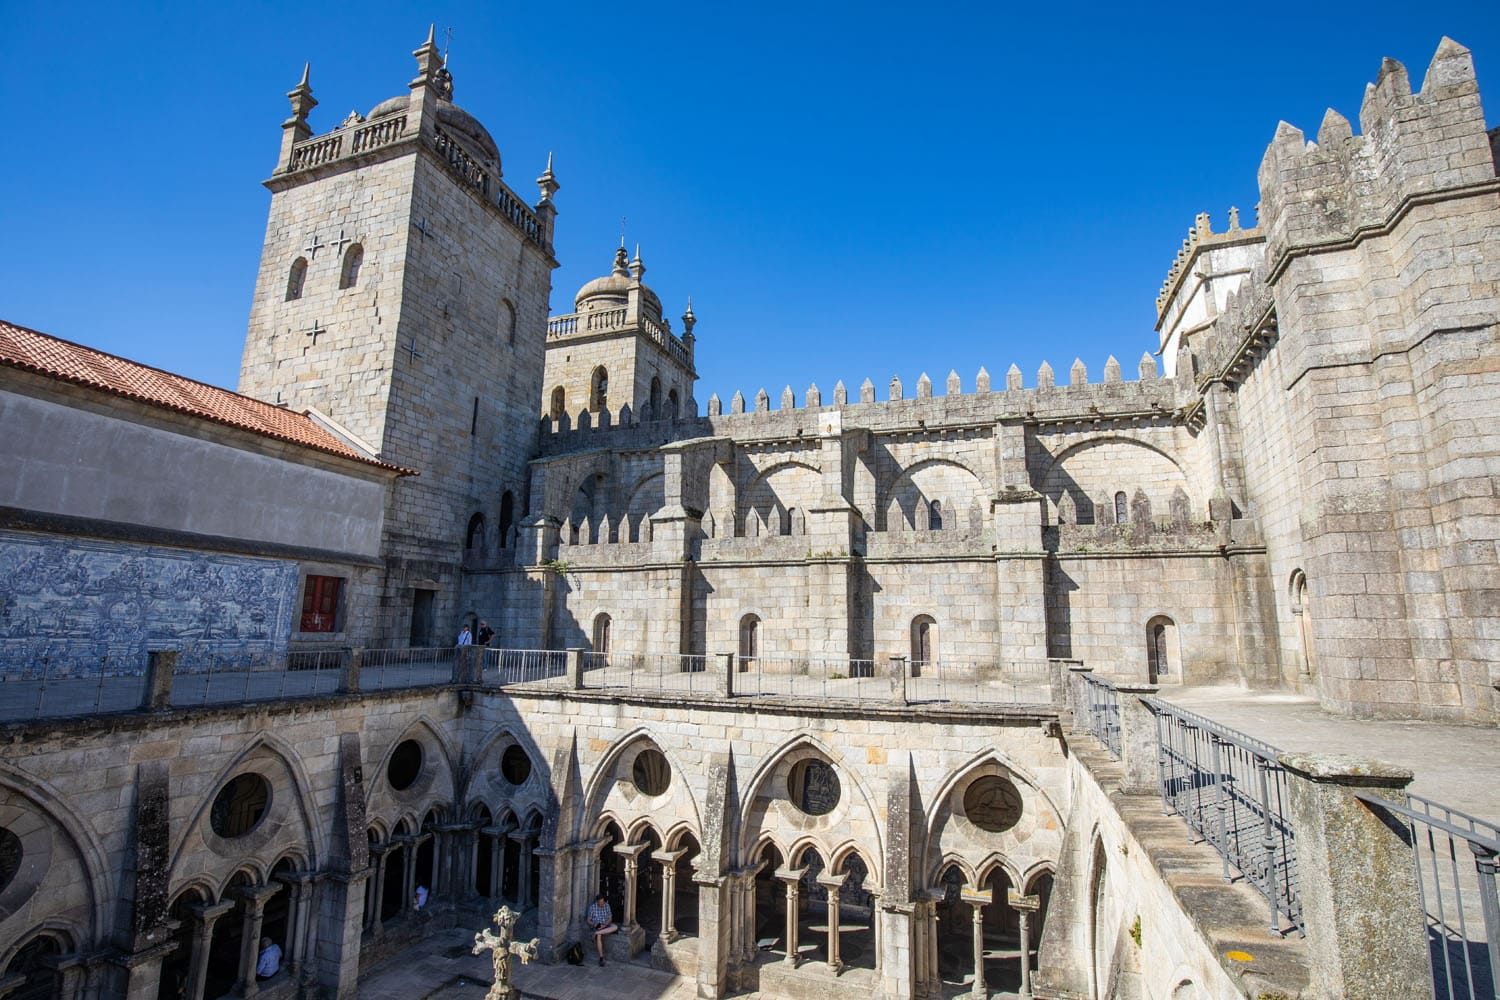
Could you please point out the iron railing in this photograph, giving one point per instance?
(522, 666)
(220, 675)
(48, 687)
(1455, 856)
(810, 677)
(975, 682)
(1099, 702)
(1231, 791)
(665, 673)
(393, 669)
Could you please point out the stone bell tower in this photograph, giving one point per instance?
(402, 298)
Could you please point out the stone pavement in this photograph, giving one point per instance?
(1458, 766)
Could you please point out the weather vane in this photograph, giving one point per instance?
(447, 42)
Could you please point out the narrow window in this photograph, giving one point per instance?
(508, 321)
(559, 400)
(674, 406)
(474, 540)
(601, 633)
(1122, 508)
(507, 517)
(320, 603)
(474, 419)
(923, 639)
(935, 515)
(599, 389)
(786, 521)
(354, 257)
(296, 278)
(749, 640)
(1161, 652)
(655, 399)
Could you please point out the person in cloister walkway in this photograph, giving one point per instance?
(602, 922)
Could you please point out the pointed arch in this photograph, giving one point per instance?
(52, 806)
(599, 784)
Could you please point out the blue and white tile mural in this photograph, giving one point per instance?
(77, 606)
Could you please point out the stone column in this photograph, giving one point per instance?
(726, 675)
(161, 665)
(376, 889)
(349, 674)
(300, 885)
(632, 860)
(575, 668)
(977, 900)
(832, 884)
(934, 977)
(205, 915)
(254, 898)
(668, 861)
(1364, 921)
(1024, 906)
(523, 868)
(1076, 703)
(1139, 746)
(496, 888)
(898, 679)
(793, 879)
(408, 871)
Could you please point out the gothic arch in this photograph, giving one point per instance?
(436, 783)
(69, 936)
(855, 812)
(276, 833)
(1034, 840)
(537, 788)
(904, 493)
(598, 790)
(51, 807)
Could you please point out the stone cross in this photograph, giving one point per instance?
(421, 227)
(339, 243)
(313, 246)
(412, 354)
(501, 947)
(315, 331)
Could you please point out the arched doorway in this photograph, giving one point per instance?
(224, 949)
(770, 903)
(923, 642)
(1161, 650)
(35, 966)
(177, 967)
(955, 929)
(856, 916)
(684, 889)
(427, 859)
(602, 625)
(655, 398)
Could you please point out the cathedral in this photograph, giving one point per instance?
(797, 682)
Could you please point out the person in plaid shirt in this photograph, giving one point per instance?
(602, 922)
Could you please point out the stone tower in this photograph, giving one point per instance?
(617, 350)
(402, 299)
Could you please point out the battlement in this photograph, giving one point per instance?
(1045, 400)
(1411, 144)
(1200, 239)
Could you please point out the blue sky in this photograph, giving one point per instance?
(845, 191)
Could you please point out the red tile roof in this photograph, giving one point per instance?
(32, 351)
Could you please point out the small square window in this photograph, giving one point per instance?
(320, 603)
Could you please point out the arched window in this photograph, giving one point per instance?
(1161, 648)
(508, 321)
(935, 515)
(296, 278)
(1122, 508)
(33, 971)
(786, 521)
(749, 639)
(599, 389)
(1302, 610)
(601, 633)
(923, 640)
(559, 401)
(655, 398)
(507, 517)
(674, 406)
(354, 258)
(474, 540)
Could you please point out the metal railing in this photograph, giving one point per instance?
(523, 666)
(1455, 856)
(392, 669)
(979, 683)
(810, 677)
(49, 687)
(664, 673)
(1099, 702)
(1231, 791)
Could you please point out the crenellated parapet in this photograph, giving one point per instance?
(1412, 146)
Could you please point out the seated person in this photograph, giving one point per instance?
(420, 897)
(269, 962)
(602, 922)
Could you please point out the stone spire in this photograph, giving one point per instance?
(546, 210)
(924, 386)
(982, 380)
(430, 64)
(1013, 377)
(295, 129)
(547, 183)
(954, 385)
(689, 319)
(637, 266)
(840, 393)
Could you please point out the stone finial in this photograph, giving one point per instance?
(1044, 376)
(840, 394)
(430, 71)
(982, 380)
(867, 391)
(715, 406)
(1181, 507)
(605, 529)
(1111, 370)
(1202, 225)
(621, 267)
(301, 98)
(1234, 219)
(1148, 366)
(689, 319)
(737, 402)
(814, 398)
(637, 266)
(762, 402)
(1013, 377)
(788, 399)
(1451, 64)
(1078, 374)
(924, 387)
(547, 182)
(1140, 508)
(954, 386)
(895, 387)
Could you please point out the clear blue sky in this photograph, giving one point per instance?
(845, 192)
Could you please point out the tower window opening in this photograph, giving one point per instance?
(354, 258)
(599, 389)
(1122, 508)
(295, 279)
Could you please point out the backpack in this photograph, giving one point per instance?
(575, 954)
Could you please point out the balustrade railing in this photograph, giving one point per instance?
(315, 152)
(522, 666)
(380, 132)
(1232, 792)
(1100, 704)
(391, 669)
(1456, 860)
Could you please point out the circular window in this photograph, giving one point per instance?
(240, 805)
(405, 765)
(651, 772)
(992, 803)
(813, 786)
(515, 765)
(10, 857)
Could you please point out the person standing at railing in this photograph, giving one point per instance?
(485, 634)
(465, 637)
